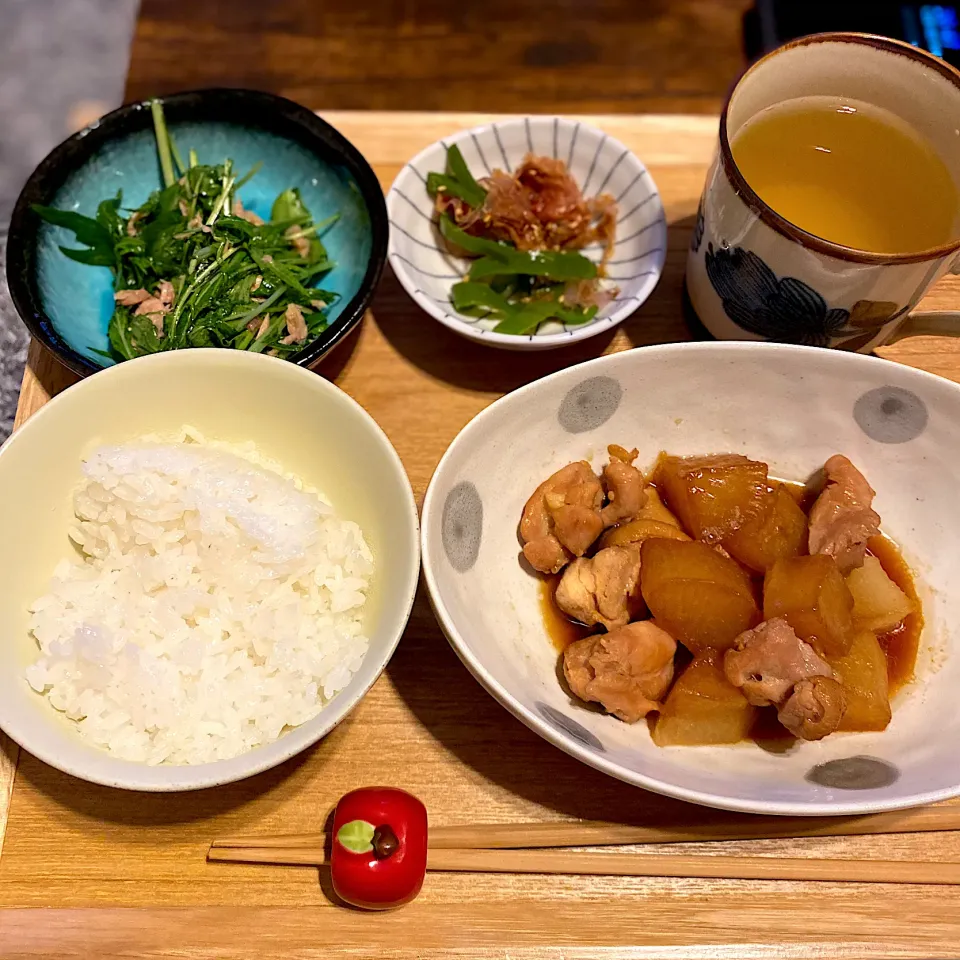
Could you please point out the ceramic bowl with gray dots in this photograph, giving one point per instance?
(599, 163)
(790, 406)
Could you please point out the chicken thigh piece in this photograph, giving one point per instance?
(842, 519)
(628, 671)
(767, 661)
(547, 554)
(624, 486)
(814, 709)
(537, 520)
(562, 518)
(576, 526)
(604, 589)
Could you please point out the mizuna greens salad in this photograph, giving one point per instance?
(193, 268)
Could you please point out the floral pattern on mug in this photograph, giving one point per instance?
(787, 309)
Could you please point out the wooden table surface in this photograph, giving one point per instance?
(610, 56)
(92, 871)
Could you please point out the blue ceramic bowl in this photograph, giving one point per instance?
(67, 305)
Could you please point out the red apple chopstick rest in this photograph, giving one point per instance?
(378, 856)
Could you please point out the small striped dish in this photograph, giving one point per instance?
(599, 164)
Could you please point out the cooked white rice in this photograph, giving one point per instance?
(216, 603)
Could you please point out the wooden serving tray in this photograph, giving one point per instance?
(91, 853)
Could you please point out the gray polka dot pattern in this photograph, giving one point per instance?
(462, 526)
(854, 773)
(589, 404)
(566, 725)
(891, 414)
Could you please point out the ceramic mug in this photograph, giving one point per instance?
(751, 274)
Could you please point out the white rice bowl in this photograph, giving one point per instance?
(213, 603)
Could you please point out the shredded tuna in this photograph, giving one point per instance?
(165, 292)
(299, 242)
(237, 210)
(130, 298)
(153, 308)
(150, 305)
(296, 325)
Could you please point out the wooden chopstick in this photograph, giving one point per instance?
(587, 833)
(637, 865)
(718, 867)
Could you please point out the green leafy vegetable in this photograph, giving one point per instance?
(467, 296)
(551, 265)
(528, 318)
(85, 229)
(458, 169)
(516, 317)
(163, 142)
(249, 175)
(222, 277)
(92, 257)
(458, 181)
(499, 259)
(478, 246)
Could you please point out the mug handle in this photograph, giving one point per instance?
(932, 323)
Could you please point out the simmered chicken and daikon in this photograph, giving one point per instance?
(715, 601)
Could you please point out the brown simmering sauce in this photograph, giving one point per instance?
(900, 645)
(561, 630)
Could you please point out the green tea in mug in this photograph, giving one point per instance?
(851, 173)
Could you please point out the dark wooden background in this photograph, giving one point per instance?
(568, 56)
